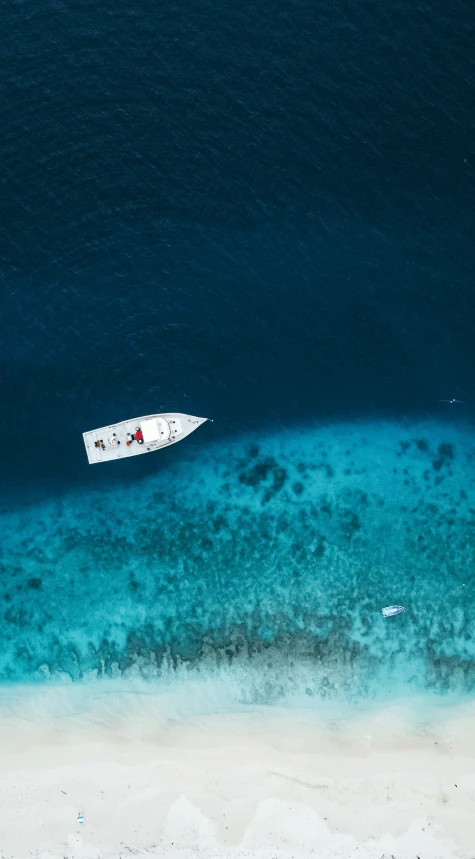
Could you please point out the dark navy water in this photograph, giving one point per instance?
(260, 214)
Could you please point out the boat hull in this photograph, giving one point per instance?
(392, 610)
(117, 441)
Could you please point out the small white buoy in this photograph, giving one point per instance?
(80, 818)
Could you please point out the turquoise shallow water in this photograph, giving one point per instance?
(265, 561)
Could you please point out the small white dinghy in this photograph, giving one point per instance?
(391, 610)
(138, 435)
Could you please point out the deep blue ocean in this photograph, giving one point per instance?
(262, 214)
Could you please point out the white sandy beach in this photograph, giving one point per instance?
(271, 784)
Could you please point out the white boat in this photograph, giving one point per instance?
(391, 610)
(138, 435)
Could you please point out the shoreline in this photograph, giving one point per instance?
(269, 782)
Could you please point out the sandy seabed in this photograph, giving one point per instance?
(393, 781)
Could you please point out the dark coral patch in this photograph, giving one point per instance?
(422, 445)
(206, 544)
(446, 455)
(218, 523)
(258, 473)
(319, 550)
(446, 450)
(280, 476)
(34, 583)
(298, 487)
(350, 523)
